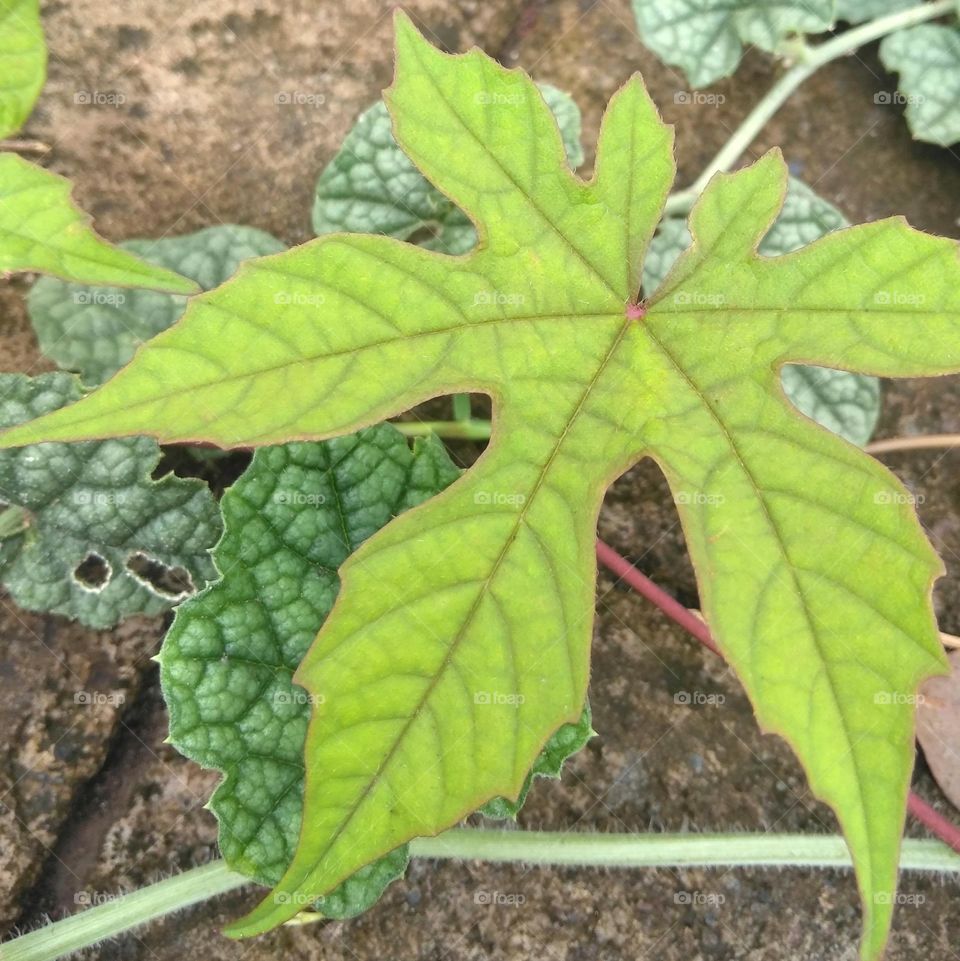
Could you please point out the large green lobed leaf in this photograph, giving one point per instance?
(95, 330)
(474, 612)
(23, 62)
(371, 186)
(848, 404)
(41, 230)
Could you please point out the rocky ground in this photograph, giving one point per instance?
(92, 801)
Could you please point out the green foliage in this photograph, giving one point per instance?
(227, 663)
(371, 185)
(705, 38)
(23, 62)
(857, 11)
(927, 57)
(848, 404)
(562, 745)
(473, 613)
(67, 504)
(95, 330)
(41, 230)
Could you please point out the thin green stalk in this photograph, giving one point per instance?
(811, 59)
(122, 913)
(447, 429)
(547, 848)
(669, 850)
(462, 408)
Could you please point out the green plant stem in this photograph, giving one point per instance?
(668, 850)
(811, 59)
(462, 409)
(447, 429)
(122, 913)
(463, 844)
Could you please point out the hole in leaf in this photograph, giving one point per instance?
(425, 232)
(171, 582)
(93, 573)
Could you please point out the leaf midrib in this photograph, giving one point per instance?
(521, 192)
(481, 593)
(788, 564)
(157, 344)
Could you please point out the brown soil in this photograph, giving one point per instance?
(92, 801)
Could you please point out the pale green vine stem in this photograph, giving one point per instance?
(809, 60)
(121, 913)
(128, 911)
(447, 429)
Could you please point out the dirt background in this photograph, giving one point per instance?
(91, 800)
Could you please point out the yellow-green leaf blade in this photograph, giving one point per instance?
(796, 528)
(486, 590)
(23, 62)
(42, 230)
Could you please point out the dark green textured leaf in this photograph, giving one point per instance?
(927, 57)
(293, 517)
(96, 503)
(857, 11)
(371, 186)
(95, 330)
(705, 38)
(848, 404)
(565, 743)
